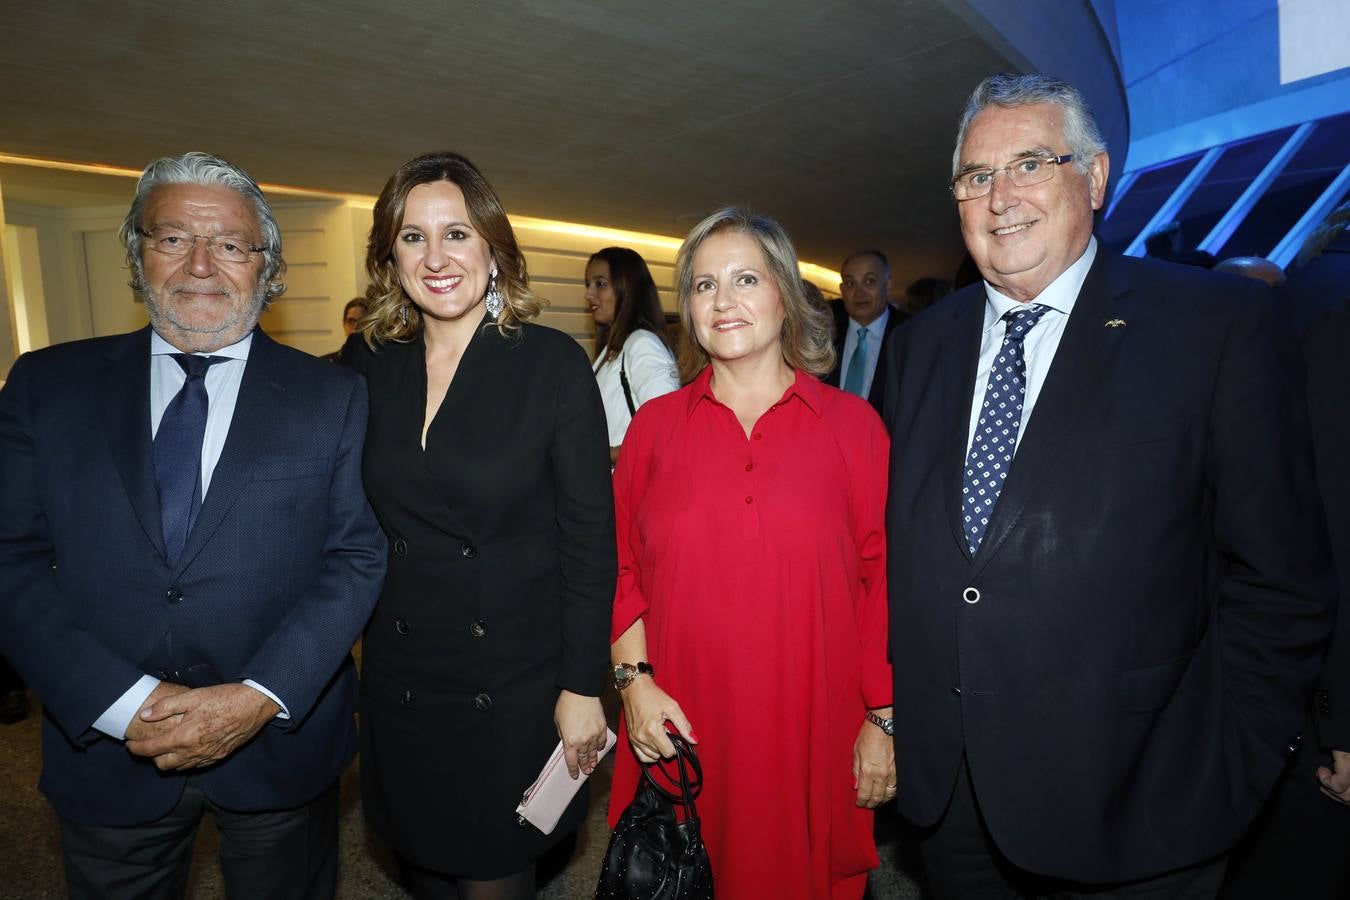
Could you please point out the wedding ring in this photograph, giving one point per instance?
(890, 787)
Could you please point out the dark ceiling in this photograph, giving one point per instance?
(836, 118)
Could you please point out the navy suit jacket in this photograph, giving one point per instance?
(278, 576)
(1126, 660)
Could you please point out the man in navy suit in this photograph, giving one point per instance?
(1110, 580)
(864, 321)
(186, 557)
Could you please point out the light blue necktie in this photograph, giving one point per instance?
(991, 450)
(857, 365)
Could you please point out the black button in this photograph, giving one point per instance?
(400, 626)
(405, 699)
(482, 703)
(956, 691)
(400, 548)
(468, 551)
(173, 595)
(478, 629)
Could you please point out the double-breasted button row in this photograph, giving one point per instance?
(482, 702)
(400, 548)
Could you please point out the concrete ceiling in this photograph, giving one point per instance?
(835, 117)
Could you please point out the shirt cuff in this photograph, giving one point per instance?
(285, 713)
(117, 718)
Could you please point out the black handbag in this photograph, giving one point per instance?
(652, 856)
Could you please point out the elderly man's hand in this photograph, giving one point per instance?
(215, 721)
(141, 730)
(1336, 780)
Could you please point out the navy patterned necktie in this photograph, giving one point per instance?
(178, 453)
(991, 450)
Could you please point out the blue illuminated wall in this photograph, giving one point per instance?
(1202, 72)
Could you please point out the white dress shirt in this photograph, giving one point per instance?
(651, 373)
(876, 330)
(222, 391)
(1040, 343)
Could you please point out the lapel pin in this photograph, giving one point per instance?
(1116, 323)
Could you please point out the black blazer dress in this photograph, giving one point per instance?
(501, 577)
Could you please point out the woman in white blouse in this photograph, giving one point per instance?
(633, 362)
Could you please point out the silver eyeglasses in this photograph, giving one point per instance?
(1023, 172)
(173, 242)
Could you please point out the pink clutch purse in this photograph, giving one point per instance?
(546, 799)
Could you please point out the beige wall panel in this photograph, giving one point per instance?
(561, 296)
(544, 265)
(307, 245)
(320, 279)
(572, 266)
(578, 325)
(311, 281)
(113, 308)
(301, 319)
(533, 238)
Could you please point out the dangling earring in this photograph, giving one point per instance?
(493, 298)
(403, 314)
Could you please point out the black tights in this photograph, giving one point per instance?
(425, 884)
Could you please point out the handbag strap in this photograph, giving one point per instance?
(685, 761)
(627, 391)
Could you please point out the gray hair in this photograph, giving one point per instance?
(197, 168)
(1080, 128)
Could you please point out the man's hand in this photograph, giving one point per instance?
(874, 764)
(141, 730)
(1336, 781)
(215, 721)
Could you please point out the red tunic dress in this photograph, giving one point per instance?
(758, 567)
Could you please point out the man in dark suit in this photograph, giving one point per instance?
(186, 557)
(864, 322)
(1109, 577)
(1303, 836)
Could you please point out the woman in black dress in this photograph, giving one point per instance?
(487, 464)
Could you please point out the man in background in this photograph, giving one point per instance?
(862, 333)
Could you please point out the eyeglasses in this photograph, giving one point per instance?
(172, 242)
(1024, 172)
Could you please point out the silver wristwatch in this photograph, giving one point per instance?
(886, 725)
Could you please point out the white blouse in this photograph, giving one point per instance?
(651, 373)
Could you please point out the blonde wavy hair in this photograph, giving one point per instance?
(807, 333)
(391, 315)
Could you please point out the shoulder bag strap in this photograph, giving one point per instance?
(627, 391)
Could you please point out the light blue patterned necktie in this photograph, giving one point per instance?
(991, 450)
(857, 365)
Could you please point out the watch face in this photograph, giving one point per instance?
(623, 674)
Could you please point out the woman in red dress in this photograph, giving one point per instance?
(752, 578)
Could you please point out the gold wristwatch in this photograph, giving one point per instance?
(624, 673)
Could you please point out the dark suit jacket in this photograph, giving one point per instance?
(1317, 299)
(277, 577)
(877, 395)
(1126, 660)
(499, 593)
